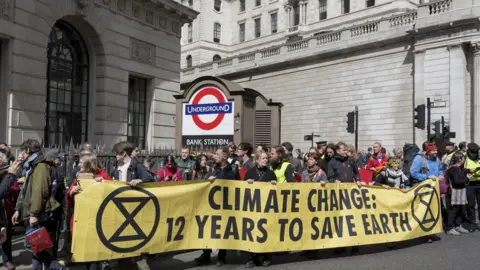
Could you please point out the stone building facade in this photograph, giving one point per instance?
(90, 70)
(386, 57)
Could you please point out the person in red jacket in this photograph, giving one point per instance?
(170, 172)
(377, 159)
(88, 165)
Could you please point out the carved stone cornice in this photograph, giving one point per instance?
(146, 12)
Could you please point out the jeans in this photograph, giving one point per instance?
(129, 263)
(473, 198)
(45, 258)
(7, 245)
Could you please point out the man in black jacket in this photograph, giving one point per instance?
(340, 168)
(223, 171)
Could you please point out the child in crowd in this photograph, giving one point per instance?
(392, 176)
(457, 179)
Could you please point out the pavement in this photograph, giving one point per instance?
(451, 252)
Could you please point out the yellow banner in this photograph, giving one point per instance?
(113, 220)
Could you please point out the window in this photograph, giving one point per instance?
(370, 3)
(216, 57)
(190, 32)
(190, 3)
(322, 9)
(137, 110)
(242, 5)
(258, 3)
(67, 87)
(345, 6)
(189, 61)
(273, 20)
(217, 28)
(258, 27)
(217, 5)
(241, 32)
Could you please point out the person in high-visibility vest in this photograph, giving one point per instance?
(449, 151)
(472, 166)
(280, 166)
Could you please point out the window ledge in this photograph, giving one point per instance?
(241, 12)
(218, 12)
(273, 1)
(257, 7)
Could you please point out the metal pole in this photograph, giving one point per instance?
(356, 128)
(428, 119)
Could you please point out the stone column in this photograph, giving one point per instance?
(287, 18)
(458, 117)
(476, 92)
(292, 17)
(300, 21)
(419, 91)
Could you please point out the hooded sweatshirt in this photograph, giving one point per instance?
(423, 167)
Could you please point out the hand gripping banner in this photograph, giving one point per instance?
(113, 220)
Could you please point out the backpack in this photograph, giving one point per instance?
(410, 150)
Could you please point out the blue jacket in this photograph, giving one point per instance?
(431, 167)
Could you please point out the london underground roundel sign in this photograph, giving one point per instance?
(208, 118)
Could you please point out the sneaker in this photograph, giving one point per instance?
(9, 266)
(453, 232)
(220, 263)
(267, 263)
(203, 259)
(460, 229)
(250, 264)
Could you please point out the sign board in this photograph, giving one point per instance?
(307, 137)
(208, 119)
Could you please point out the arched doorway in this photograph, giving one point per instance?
(67, 87)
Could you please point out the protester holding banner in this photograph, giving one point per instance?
(134, 173)
(426, 164)
(457, 177)
(127, 169)
(260, 173)
(202, 171)
(283, 169)
(340, 168)
(88, 165)
(312, 172)
(169, 172)
(223, 171)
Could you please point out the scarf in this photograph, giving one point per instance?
(311, 173)
(26, 172)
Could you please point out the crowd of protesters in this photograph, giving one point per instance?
(35, 192)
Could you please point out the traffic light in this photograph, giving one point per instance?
(437, 130)
(420, 116)
(351, 122)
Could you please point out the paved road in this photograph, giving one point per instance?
(451, 252)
